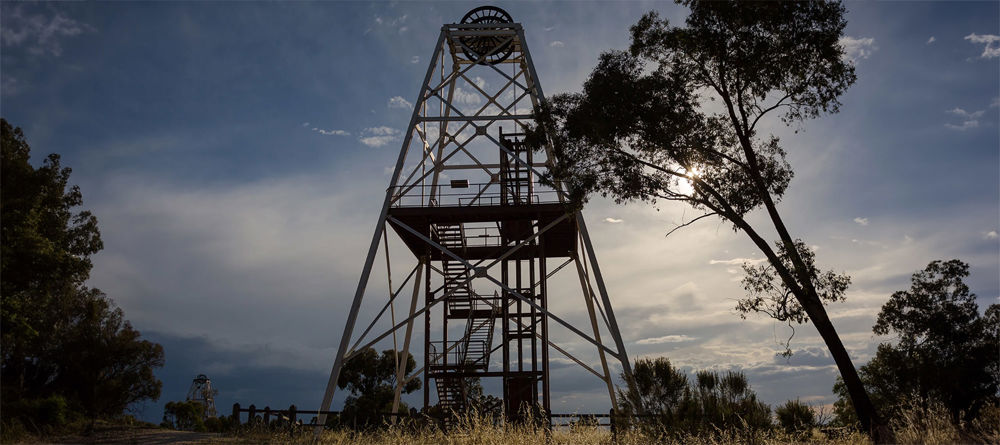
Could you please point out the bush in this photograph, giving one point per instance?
(713, 402)
(187, 416)
(795, 417)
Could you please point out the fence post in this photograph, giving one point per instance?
(614, 427)
(236, 413)
(267, 415)
(291, 414)
(252, 419)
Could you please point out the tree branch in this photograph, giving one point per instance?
(690, 222)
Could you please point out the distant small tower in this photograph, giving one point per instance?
(201, 391)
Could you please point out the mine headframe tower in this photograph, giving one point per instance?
(201, 391)
(466, 199)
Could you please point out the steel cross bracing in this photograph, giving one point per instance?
(465, 199)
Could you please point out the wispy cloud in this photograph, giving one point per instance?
(963, 126)
(665, 339)
(415, 59)
(856, 49)
(326, 132)
(931, 40)
(969, 120)
(738, 261)
(992, 234)
(613, 220)
(557, 44)
(331, 132)
(862, 221)
(378, 136)
(9, 86)
(992, 44)
(399, 102)
(39, 33)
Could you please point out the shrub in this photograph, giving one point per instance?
(795, 417)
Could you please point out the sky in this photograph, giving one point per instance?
(236, 156)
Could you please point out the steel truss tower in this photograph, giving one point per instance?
(466, 199)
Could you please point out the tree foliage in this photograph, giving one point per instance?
(795, 417)
(678, 117)
(768, 294)
(61, 338)
(712, 402)
(371, 379)
(186, 415)
(945, 350)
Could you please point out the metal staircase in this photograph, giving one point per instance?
(452, 237)
(456, 359)
(479, 332)
(451, 397)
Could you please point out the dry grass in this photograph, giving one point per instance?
(916, 425)
(482, 432)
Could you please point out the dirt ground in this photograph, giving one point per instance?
(137, 436)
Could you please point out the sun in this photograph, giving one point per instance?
(686, 185)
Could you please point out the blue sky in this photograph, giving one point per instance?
(236, 154)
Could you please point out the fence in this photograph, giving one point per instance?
(290, 416)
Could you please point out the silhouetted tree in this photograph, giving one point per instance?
(642, 130)
(946, 351)
(371, 379)
(186, 415)
(59, 336)
(795, 417)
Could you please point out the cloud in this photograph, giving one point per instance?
(415, 59)
(970, 120)
(862, 221)
(399, 102)
(464, 97)
(332, 132)
(613, 220)
(931, 40)
(557, 44)
(960, 112)
(549, 28)
(9, 86)
(856, 49)
(305, 124)
(992, 234)
(964, 126)
(738, 261)
(995, 103)
(665, 339)
(38, 33)
(992, 48)
(378, 136)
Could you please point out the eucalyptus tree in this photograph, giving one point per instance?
(680, 116)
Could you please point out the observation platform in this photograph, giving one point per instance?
(475, 206)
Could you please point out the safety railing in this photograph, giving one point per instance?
(467, 195)
(452, 353)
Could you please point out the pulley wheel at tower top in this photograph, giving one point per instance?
(499, 48)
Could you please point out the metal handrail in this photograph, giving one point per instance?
(482, 194)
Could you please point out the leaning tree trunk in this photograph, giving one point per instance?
(871, 422)
(800, 282)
